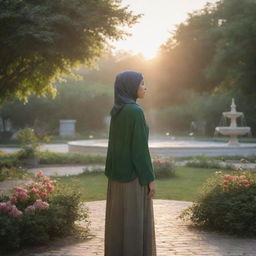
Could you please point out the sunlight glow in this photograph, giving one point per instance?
(155, 27)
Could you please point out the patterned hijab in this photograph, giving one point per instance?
(126, 86)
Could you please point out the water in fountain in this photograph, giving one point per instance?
(223, 122)
(244, 123)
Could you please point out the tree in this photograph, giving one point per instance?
(233, 66)
(213, 50)
(42, 40)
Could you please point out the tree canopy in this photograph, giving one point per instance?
(213, 50)
(42, 40)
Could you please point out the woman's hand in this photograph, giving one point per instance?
(152, 189)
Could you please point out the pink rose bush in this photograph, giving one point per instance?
(40, 211)
(30, 198)
(232, 181)
(164, 167)
(226, 203)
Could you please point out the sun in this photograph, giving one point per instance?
(149, 52)
(156, 26)
(141, 42)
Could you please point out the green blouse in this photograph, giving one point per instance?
(128, 154)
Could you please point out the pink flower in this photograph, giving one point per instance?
(3, 207)
(43, 195)
(14, 211)
(228, 177)
(39, 174)
(13, 199)
(30, 208)
(50, 188)
(21, 195)
(7, 207)
(34, 190)
(41, 205)
(19, 189)
(37, 206)
(47, 180)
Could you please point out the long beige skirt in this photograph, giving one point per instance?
(129, 220)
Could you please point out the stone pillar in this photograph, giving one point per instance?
(67, 128)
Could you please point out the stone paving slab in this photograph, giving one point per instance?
(173, 236)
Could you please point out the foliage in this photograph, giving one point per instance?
(72, 97)
(246, 159)
(226, 203)
(222, 34)
(37, 50)
(164, 167)
(205, 162)
(39, 212)
(9, 162)
(205, 110)
(47, 157)
(30, 141)
(13, 173)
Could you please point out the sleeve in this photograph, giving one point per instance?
(139, 150)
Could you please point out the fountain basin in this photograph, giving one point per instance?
(168, 147)
(233, 131)
(232, 114)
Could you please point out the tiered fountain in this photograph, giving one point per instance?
(233, 130)
(166, 146)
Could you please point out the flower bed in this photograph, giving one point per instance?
(227, 204)
(38, 212)
(164, 167)
(205, 162)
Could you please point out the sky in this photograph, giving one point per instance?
(155, 27)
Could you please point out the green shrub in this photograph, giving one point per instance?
(30, 141)
(204, 162)
(47, 157)
(250, 158)
(9, 159)
(40, 211)
(227, 203)
(13, 173)
(164, 168)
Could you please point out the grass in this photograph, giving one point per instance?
(185, 186)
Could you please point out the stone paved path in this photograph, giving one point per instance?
(66, 170)
(173, 236)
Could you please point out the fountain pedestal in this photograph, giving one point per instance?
(233, 141)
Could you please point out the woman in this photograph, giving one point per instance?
(129, 220)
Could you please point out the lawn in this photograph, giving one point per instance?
(184, 186)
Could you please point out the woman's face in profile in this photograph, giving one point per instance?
(142, 89)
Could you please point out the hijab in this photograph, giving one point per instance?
(126, 86)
